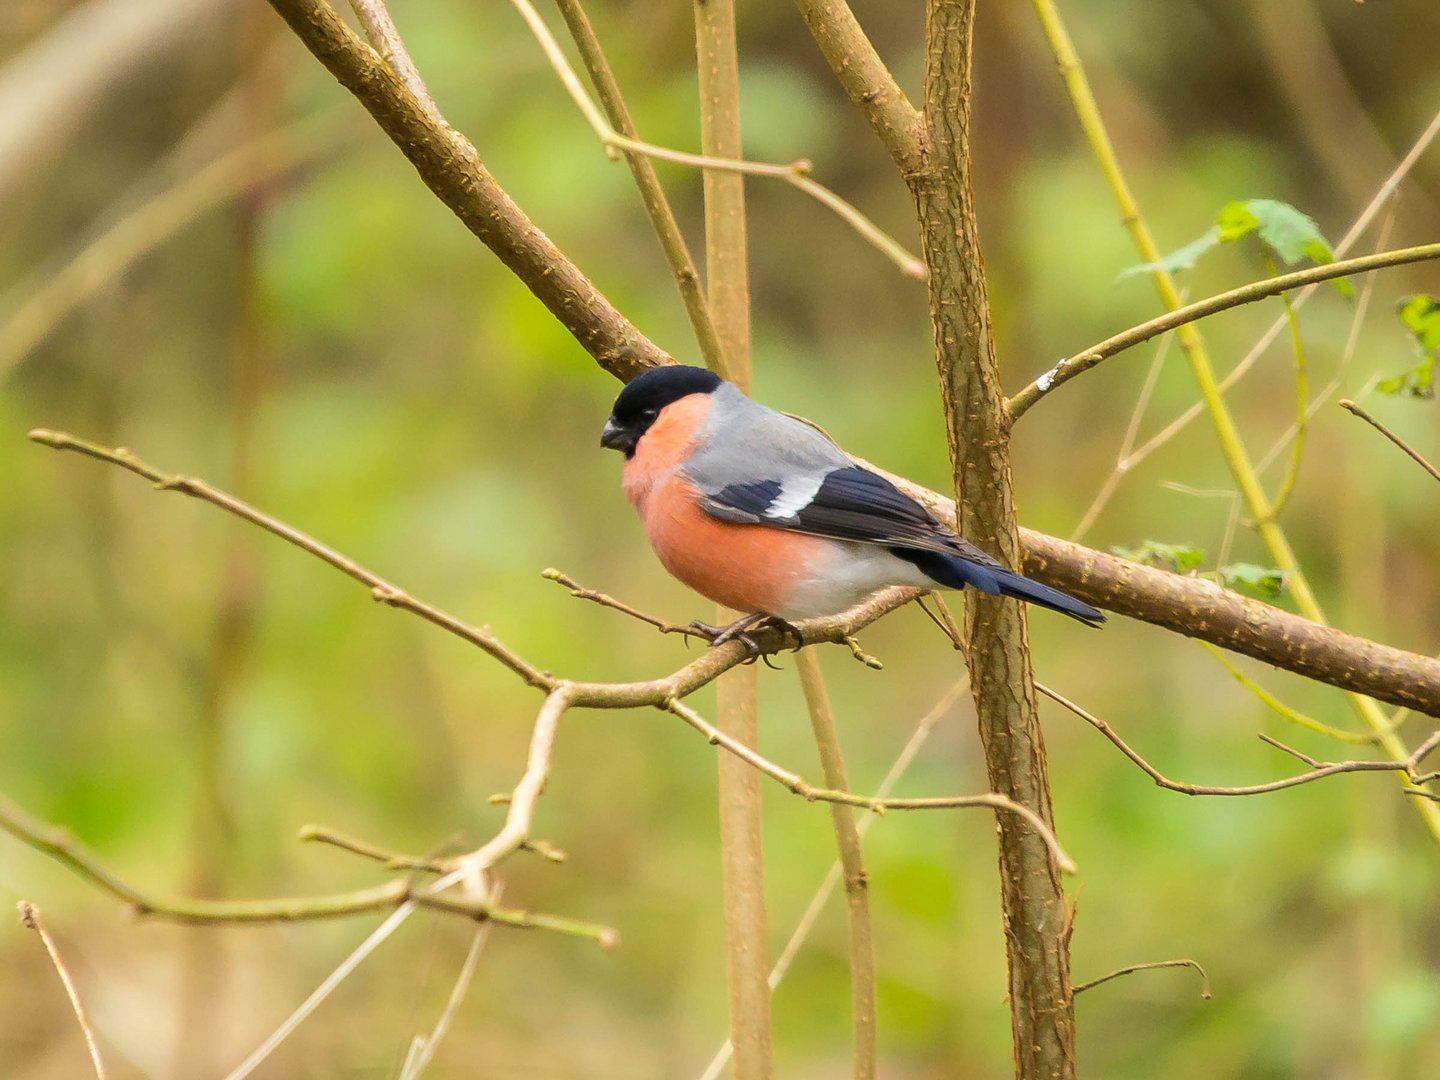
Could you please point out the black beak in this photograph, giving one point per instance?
(615, 437)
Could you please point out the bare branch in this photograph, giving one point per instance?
(30, 918)
(1199, 608)
(1132, 968)
(864, 76)
(385, 40)
(657, 206)
(381, 590)
(391, 860)
(797, 173)
(604, 600)
(1350, 406)
(451, 168)
(1319, 770)
(59, 845)
(794, 783)
(1083, 361)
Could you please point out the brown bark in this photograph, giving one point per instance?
(452, 169)
(1037, 924)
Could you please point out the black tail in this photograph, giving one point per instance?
(954, 572)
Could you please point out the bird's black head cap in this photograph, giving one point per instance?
(645, 395)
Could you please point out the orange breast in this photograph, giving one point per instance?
(745, 567)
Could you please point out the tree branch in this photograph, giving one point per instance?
(1319, 770)
(1035, 916)
(864, 76)
(1200, 608)
(1083, 361)
(58, 845)
(1131, 969)
(652, 195)
(30, 918)
(452, 169)
(1350, 407)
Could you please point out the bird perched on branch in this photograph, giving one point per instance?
(762, 513)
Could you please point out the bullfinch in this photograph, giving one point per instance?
(764, 514)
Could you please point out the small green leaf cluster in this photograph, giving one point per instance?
(1420, 314)
(1283, 231)
(1265, 582)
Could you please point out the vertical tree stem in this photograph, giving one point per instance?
(852, 866)
(657, 206)
(728, 291)
(1037, 926)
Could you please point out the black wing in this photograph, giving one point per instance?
(850, 504)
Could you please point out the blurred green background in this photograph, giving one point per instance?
(184, 693)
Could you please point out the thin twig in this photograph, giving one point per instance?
(372, 942)
(381, 590)
(794, 783)
(58, 845)
(1132, 968)
(30, 918)
(1319, 769)
(657, 206)
(423, 1047)
(1350, 406)
(827, 886)
(385, 39)
(604, 600)
(391, 860)
(796, 173)
(1083, 361)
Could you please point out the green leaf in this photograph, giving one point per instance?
(1420, 314)
(1292, 236)
(1417, 383)
(1180, 259)
(1263, 581)
(1182, 558)
(1236, 220)
(1284, 230)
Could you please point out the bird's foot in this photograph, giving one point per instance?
(736, 631)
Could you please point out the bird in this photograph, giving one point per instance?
(763, 513)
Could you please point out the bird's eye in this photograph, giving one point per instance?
(648, 416)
